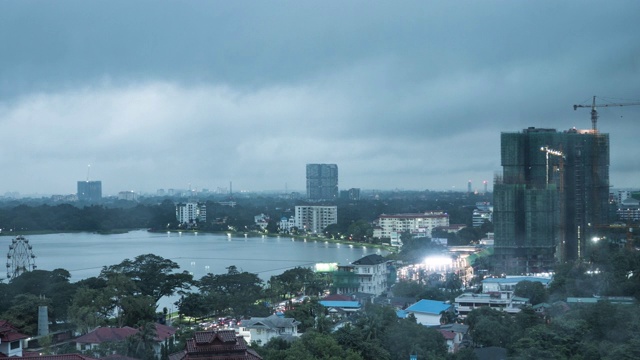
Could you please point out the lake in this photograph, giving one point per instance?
(84, 254)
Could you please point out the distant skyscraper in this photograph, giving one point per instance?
(90, 191)
(551, 197)
(322, 181)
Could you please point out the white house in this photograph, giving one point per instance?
(428, 312)
(261, 221)
(261, 330)
(367, 275)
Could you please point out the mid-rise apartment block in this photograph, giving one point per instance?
(314, 219)
(389, 226)
(191, 212)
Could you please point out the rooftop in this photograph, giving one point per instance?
(429, 307)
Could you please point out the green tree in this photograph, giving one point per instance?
(138, 309)
(533, 290)
(89, 309)
(404, 338)
(140, 345)
(153, 275)
(23, 313)
(313, 345)
(234, 291)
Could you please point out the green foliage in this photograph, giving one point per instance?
(307, 313)
(490, 327)
(533, 290)
(23, 313)
(153, 275)
(233, 293)
(313, 345)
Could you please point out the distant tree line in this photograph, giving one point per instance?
(354, 217)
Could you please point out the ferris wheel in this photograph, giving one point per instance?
(20, 257)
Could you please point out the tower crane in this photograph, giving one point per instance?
(594, 112)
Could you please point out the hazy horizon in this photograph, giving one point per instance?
(410, 95)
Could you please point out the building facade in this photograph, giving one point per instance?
(191, 212)
(389, 226)
(315, 219)
(322, 181)
(370, 275)
(551, 197)
(90, 191)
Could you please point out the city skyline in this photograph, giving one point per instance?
(410, 96)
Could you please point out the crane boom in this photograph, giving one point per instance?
(594, 112)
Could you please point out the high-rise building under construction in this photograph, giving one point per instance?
(551, 197)
(322, 181)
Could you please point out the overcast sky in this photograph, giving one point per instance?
(401, 95)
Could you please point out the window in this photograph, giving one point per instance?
(15, 345)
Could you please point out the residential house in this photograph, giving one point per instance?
(92, 341)
(10, 340)
(454, 334)
(261, 221)
(260, 330)
(428, 312)
(216, 345)
(102, 335)
(340, 309)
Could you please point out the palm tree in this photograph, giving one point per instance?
(141, 344)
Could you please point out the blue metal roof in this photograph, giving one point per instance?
(429, 307)
(517, 279)
(340, 304)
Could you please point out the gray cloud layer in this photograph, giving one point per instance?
(414, 96)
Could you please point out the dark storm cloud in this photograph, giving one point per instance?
(399, 96)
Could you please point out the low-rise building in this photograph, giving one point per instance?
(10, 340)
(261, 221)
(506, 302)
(91, 341)
(428, 312)
(214, 345)
(260, 330)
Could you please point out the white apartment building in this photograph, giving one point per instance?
(190, 212)
(497, 293)
(417, 224)
(367, 275)
(315, 219)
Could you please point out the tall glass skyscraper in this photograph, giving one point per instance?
(551, 197)
(322, 181)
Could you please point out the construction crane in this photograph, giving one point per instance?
(594, 112)
(553, 152)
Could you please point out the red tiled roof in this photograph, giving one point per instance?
(448, 335)
(106, 334)
(9, 333)
(223, 345)
(36, 356)
(164, 332)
